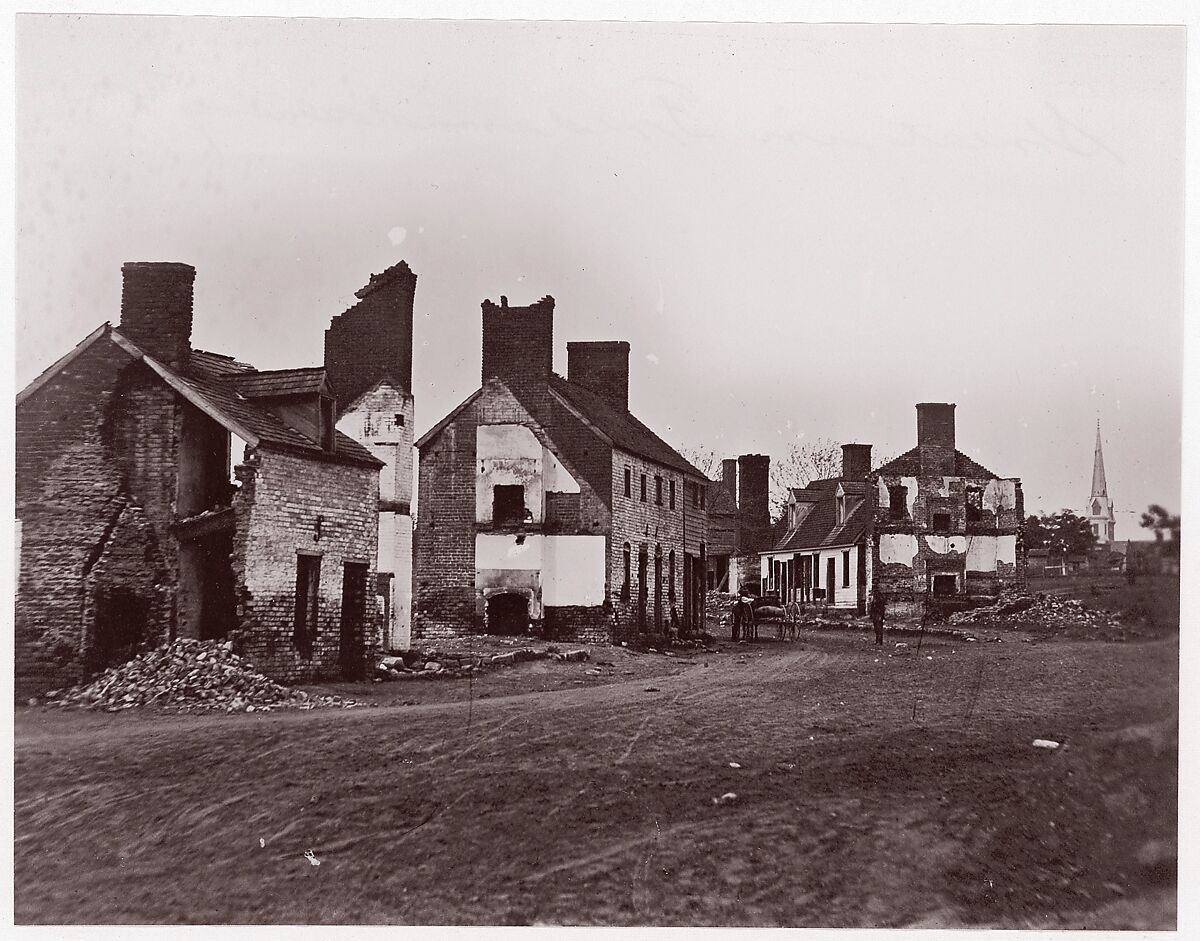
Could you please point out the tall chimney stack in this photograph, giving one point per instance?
(935, 438)
(374, 338)
(518, 342)
(603, 367)
(156, 308)
(729, 477)
(754, 497)
(856, 461)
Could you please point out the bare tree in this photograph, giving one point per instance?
(804, 462)
(703, 459)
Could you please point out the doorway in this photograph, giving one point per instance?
(354, 609)
(830, 578)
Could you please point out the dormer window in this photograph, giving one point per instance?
(327, 423)
(841, 508)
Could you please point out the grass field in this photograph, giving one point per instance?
(875, 789)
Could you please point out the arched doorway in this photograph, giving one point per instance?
(508, 614)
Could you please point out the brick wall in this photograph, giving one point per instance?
(373, 339)
(650, 525)
(277, 508)
(904, 583)
(444, 535)
(94, 487)
(446, 601)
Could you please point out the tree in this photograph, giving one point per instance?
(1162, 522)
(804, 462)
(1061, 532)
(703, 459)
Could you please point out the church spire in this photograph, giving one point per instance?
(1099, 484)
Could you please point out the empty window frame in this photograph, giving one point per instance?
(658, 488)
(974, 504)
(628, 482)
(941, 522)
(671, 493)
(643, 488)
(846, 569)
(628, 564)
(898, 502)
(508, 504)
(308, 594)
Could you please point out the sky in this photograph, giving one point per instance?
(802, 230)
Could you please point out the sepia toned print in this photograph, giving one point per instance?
(597, 473)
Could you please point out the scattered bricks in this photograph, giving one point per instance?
(505, 658)
(189, 676)
(576, 655)
(432, 666)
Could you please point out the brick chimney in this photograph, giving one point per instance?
(518, 342)
(156, 308)
(754, 496)
(856, 461)
(729, 477)
(374, 338)
(935, 438)
(603, 367)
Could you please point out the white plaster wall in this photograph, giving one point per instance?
(1000, 495)
(574, 570)
(507, 454)
(571, 567)
(401, 626)
(885, 498)
(897, 547)
(556, 478)
(502, 551)
(372, 423)
(943, 544)
(986, 551)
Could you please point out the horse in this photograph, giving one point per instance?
(789, 626)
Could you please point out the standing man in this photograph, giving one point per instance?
(878, 607)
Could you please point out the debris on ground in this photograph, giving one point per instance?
(1050, 614)
(189, 676)
(727, 798)
(1045, 743)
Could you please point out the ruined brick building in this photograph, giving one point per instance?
(545, 505)
(945, 532)
(136, 525)
(821, 557)
(739, 522)
(368, 358)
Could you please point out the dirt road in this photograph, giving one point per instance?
(873, 789)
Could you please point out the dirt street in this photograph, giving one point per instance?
(873, 789)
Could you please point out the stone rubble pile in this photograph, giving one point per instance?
(1045, 610)
(189, 676)
(431, 662)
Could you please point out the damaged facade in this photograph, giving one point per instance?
(739, 522)
(821, 558)
(136, 525)
(368, 358)
(548, 507)
(945, 532)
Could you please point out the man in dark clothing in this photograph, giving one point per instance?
(877, 612)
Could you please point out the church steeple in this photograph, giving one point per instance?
(1099, 511)
(1099, 484)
